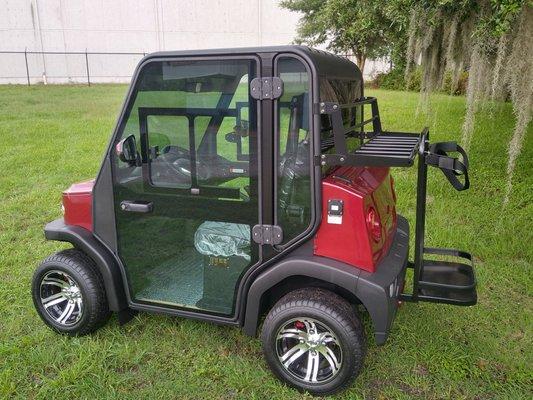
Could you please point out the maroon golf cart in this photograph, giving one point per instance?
(252, 187)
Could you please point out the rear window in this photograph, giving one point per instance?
(345, 92)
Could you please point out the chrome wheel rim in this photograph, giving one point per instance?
(309, 350)
(61, 298)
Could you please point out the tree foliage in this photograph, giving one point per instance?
(364, 28)
(493, 40)
(490, 39)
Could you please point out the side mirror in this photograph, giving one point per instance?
(126, 150)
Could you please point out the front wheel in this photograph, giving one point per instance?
(68, 293)
(313, 341)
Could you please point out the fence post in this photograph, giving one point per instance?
(27, 69)
(87, 68)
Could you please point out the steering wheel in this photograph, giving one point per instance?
(180, 166)
(173, 165)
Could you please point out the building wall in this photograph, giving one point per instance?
(141, 26)
(138, 26)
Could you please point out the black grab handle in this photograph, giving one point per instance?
(136, 206)
(451, 167)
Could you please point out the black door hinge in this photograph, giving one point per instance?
(268, 88)
(267, 234)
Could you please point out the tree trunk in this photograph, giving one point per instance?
(360, 58)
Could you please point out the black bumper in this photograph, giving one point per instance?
(379, 291)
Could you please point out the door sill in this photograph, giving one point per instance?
(197, 315)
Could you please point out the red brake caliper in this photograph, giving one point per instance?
(299, 325)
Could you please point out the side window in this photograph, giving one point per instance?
(294, 152)
(190, 121)
(168, 141)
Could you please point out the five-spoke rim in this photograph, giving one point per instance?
(61, 298)
(309, 350)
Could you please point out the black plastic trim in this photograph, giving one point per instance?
(372, 289)
(84, 240)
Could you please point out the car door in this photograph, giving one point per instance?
(185, 209)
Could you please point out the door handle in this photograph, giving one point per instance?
(137, 206)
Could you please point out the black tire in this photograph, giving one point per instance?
(77, 269)
(327, 310)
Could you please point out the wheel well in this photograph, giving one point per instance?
(289, 284)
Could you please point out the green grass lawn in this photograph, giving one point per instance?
(53, 136)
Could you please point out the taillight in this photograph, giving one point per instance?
(373, 223)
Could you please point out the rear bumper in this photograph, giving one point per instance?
(380, 291)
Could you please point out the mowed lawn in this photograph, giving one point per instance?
(53, 136)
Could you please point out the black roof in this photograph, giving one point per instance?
(325, 63)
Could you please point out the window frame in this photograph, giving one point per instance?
(313, 193)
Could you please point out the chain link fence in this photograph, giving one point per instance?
(55, 67)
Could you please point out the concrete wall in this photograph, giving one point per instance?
(140, 26)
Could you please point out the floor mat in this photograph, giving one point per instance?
(178, 283)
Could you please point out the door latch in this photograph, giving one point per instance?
(136, 206)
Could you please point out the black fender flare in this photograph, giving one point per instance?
(342, 276)
(378, 292)
(373, 297)
(84, 240)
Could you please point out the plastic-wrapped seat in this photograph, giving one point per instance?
(226, 250)
(223, 239)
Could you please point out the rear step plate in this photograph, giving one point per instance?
(446, 282)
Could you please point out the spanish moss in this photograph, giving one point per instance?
(494, 50)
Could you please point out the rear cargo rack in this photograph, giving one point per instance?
(377, 148)
(440, 281)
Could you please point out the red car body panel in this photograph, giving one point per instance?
(78, 204)
(351, 241)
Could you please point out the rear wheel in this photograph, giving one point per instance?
(68, 293)
(313, 341)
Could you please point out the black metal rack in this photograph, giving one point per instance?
(441, 281)
(377, 148)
